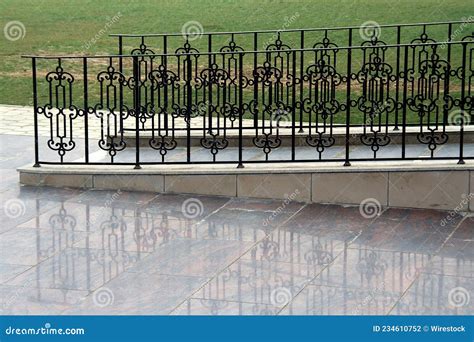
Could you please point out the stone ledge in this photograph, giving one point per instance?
(339, 135)
(251, 168)
(445, 186)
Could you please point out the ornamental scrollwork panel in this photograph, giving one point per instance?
(321, 82)
(376, 101)
(60, 111)
(111, 110)
(218, 104)
(273, 87)
(428, 77)
(163, 89)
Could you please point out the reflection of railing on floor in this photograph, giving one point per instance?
(120, 238)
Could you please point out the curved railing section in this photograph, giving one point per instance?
(370, 101)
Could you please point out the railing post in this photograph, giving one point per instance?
(450, 30)
(209, 95)
(209, 43)
(35, 111)
(86, 112)
(462, 105)
(209, 118)
(404, 103)
(165, 100)
(136, 90)
(255, 85)
(188, 107)
(397, 81)
(293, 105)
(120, 49)
(241, 109)
(348, 98)
(120, 52)
(301, 81)
(446, 95)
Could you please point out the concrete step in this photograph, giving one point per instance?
(417, 184)
(285, 134)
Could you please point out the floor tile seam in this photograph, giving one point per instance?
(231, 301)
(238, 258)
(418, 276)
(310, 281)
(29, 267)
(29, 219)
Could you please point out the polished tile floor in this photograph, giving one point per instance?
(66, 251)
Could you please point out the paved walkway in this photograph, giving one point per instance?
(18, 121)
(66, 251)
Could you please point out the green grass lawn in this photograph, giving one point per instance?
(65, 27)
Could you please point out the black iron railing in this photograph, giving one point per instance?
(196, 40)
(279, 104)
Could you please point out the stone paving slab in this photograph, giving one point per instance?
(66, 251)
(170, 266)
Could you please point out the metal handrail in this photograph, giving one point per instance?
(174, 34)
(207, 53)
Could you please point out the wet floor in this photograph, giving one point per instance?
(67, 251)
